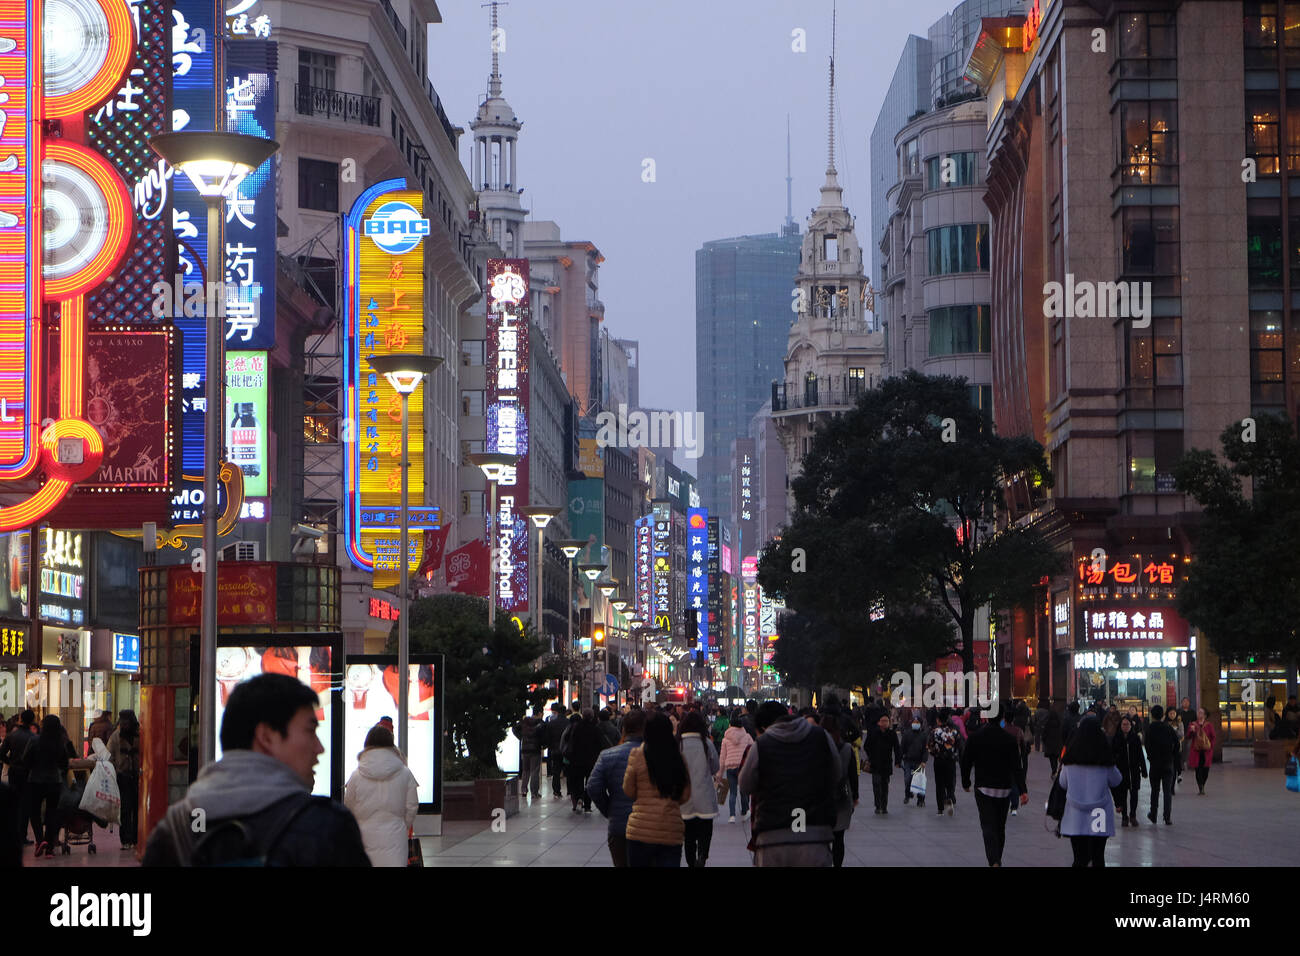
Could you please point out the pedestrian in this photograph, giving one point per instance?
(846, 789)
(382, 795)
(1069, 722)
(1272, 725)
(47, 758)
(657, 782)
(550, 736)
(580, 753)
(699, 812)
(101, 727)
(735, 745)
(1110, 723)
(1174, 719)
(884, 753)
(1291, 719)
(944, 744)
(719, 728)
(1088, 773)
(608, 730)
(257, 799)
(605, 784)
(11, 756)
(914, 756)
(124, 750)
(1202, 734)
(1013, 726)
(793, 766)
(1162, 758)
(529, 733)
(1132, 767)
(993, 755)
(1053, 738)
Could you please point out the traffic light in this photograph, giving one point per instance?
(692, 625)
(598, 634)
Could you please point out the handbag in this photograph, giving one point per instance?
(918, 784)
(1055, 807)
(723, 787)
(1293, 774)
(414, 855)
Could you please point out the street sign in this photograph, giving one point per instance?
(611, 685)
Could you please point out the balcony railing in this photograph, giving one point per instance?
(789, 395)
(447, 126)
(336, 104)
(398, 26)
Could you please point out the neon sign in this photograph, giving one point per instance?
(384, 314)
(697, 581)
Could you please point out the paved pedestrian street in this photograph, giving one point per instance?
(1246, 818)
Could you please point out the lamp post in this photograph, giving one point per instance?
(571, 547)
(216, 163)
(404, 372)
(494, 465)
(541, 516)
(619, 603)
(593, 571)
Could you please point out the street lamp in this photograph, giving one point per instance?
(571, 547)
(541, 516)
(404, 371)
(494, 465)
(593, 571)
(216, 163)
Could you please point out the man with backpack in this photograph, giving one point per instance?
(256, 803)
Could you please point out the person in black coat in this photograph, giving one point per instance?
(884, 753)
(1162, 746)
(11, 755)
(580, 755)
(1070, 721)
(1053, 738)
(1132, 767)
(994, 756)
(46, 758)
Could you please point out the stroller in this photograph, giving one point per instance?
(78, 826)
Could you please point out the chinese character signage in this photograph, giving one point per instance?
(645, 568)
(64, 598)
(245, 594)
(697, 582)
(749, 612)
(1152, 577)
(1061, 619)
(663, 517)
(384, 314)
(590, 462)
(743, 502)
(15, 644)
(714, 570)
(383, 610)
(508, 316)
(1132, 626)
(247, 19)
(246, 426)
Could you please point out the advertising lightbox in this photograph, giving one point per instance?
(697, 581)
(245, 419)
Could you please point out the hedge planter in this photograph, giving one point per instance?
(477, 799)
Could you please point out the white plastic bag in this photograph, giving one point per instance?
(918, 781)
(102, 799)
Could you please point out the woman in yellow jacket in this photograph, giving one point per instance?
(657, 784)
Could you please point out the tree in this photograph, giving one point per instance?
(897, 513)
(1243, 588)
(486, 672)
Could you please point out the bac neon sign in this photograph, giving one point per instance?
(65, 222)
(396, 227)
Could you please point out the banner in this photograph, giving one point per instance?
(467, 569)
(435, 542)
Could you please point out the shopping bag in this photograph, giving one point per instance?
(414, 855)
(918, 781)
(1293, 774)
(101, 798)
(723, 788)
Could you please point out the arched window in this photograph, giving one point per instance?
(810, 389)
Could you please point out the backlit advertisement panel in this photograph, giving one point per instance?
(645, 568)
(714, 601)
(749, 612)
(384, 314)
(663, 517)
(508, 316)
(697, 582)
(245, 420)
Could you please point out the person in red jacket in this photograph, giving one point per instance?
(1201, 753)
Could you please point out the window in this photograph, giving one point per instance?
(316, 69)
(320, 421)
(958, 329)
(857, 381)
(1262, 131)
(981, 397)
(1267, 389)
(953, 169)
(1154, 371)
(810, 389)
(472, 352)
(1150, 240)
(318, 185)
(1291, 31)
(909, 159)
(958, 249)
(830, 249)
(1261, 34)
(1148, 143)
(471, 403)
(1147, 45)
(1151, 460)
(1264, 253)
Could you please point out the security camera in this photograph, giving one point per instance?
(307, 531)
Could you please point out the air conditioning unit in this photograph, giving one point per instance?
(242, 551)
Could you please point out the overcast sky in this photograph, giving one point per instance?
(702, 87)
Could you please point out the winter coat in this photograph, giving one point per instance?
(11, 753)
(793, 766)
(100, 727)
(1200, 758)
(1129, 759)
(1087, 789)
(1110, 723)
(883, 750)
(262, 793)
(584, 747)
(608, 733)
(1069, 724)
(701, 764)
(1161, 746)
(381, 793)
(995, 758)
(846, 792)
(550, 733)
(735, 742)
(654, 818)
(605, 785)
(530, 737)
(46, 768)
(125, 753)
(1053, 734)
(913, 746)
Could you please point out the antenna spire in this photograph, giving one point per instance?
(830, 108)
(494, 81)
(789, 182)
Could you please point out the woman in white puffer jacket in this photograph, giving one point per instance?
(381, 793)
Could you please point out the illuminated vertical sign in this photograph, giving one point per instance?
(508, 315)
(645, 568)
(384, 314)
(714, 601)
(749, 619)
(697, 581)
(744, 495)
(245, 420)
(663, 517)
